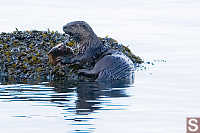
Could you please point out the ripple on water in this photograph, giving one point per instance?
(79, 104)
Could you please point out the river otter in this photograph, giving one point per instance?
(59, 50)
(90, 47)
(110, 64)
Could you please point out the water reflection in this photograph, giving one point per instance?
(89, 94)
(78, 100)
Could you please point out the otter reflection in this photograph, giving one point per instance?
(76, 99)
(90, 93)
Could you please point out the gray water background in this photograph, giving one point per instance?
(160, 99)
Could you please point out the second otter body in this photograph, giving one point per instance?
(110, 64)
(114, 65)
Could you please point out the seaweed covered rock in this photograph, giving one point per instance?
(24, 55)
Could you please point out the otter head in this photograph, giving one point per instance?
(59, 50)
(80, 32)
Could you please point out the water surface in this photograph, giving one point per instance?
(160, 99)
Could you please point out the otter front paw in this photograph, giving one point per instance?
(75, 60)
(83, 71)
(65, 60)
(88, 73)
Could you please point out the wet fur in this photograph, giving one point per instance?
(112, 64)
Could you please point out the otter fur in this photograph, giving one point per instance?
(110, 64)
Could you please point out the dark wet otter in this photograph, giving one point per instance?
(109, 64)
(59, 50)
(90, 47)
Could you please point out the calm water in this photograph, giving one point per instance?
(160, 99)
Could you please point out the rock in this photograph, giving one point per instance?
(25, 55)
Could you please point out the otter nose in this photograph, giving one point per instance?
(68, 30)
(65, 29)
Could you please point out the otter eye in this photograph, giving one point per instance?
(84, 26)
